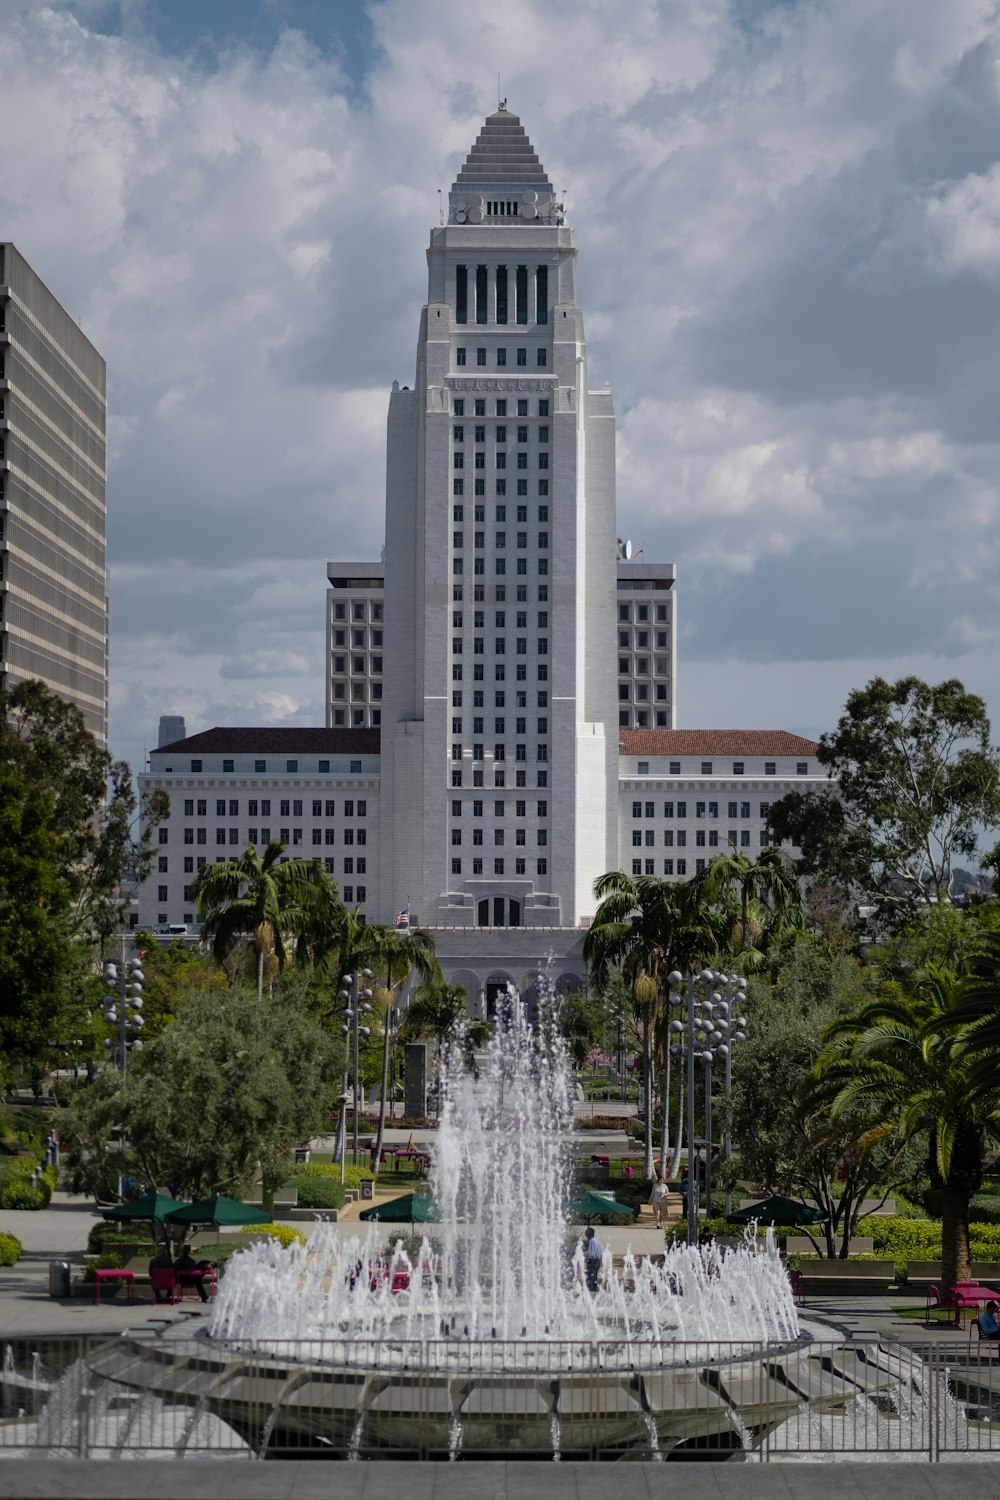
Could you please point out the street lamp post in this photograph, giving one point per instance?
(355, 995)
(706, 1023)
(123, 1007)
(734, 995)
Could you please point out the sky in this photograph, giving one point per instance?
(788, 218)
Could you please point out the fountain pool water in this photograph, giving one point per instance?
(503, 1265)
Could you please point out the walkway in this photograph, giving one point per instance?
(226, 1479)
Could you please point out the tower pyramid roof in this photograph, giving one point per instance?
(502, 157)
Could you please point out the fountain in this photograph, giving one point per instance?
(484, 1340)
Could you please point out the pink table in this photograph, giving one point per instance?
(113, 1275)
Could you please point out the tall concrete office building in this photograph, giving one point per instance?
(499, 711)
(53, 585)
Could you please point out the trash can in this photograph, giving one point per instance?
(302, 1154)
(367, 1189)
(59, 1285)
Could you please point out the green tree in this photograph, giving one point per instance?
(439, 1011)
(226, 1091)
(915, 777)
(394, 956)
(99, 834)
(768, 900)
(581, 1022)
(645, 927)
(780, 1117)
(905, 1058)
(262, 902)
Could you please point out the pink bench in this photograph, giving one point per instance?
(107, 1274)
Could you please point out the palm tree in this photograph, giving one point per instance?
(646, 927)
(907, 1058)
(768, 893)
(396, 955)
(436, 1010)
(260, 900)
(977, 1011)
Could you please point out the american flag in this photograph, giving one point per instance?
(402, 918)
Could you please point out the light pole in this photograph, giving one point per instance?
(355, 995)
(734, 995)
(706, 1022)
(122, 1009)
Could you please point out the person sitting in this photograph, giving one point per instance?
(191, 1272)
(161, 1262)
(989, 1328)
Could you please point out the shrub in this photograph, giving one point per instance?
(331, 1171)
(319, 1192)
(109, 1260)
(10, 1250)
(137, 1238)
(283, 1233)
(17, 1192)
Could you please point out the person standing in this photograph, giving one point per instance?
(593, 1255)
(659, 1199)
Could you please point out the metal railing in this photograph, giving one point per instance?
(157, 1392)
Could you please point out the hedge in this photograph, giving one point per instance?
(283, 1233)
(135, 1237)
(10, 1249)
(319, 1192)
(331, 1171)
(16, 1190)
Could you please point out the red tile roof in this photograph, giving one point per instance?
(277, 742)
(713, 742)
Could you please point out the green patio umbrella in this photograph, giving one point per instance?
(153, 1208)
(781, 1211)
(411, 1208)
(219, 1210)
(589, 1204)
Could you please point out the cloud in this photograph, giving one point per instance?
(789, 223)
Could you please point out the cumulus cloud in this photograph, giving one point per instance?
(789, 227)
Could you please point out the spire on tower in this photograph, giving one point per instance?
(502, 178)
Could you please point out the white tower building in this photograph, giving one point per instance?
(499, 712)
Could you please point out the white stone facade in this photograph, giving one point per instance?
(501, 690)
(316, 789)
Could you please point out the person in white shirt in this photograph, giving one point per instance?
(593, 1255)
(659, 1198)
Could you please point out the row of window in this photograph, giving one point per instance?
(500, 486)
(642, 719)
(641, 612)
(499, 777)
(358, 642)
(479, 407)
(498, 435)
(500, 645)
(642, 688)
(192, 863)
(259, 766)
(499, 567)
(500, 752)
(500, 698)
(480, 285)
(500, 671)
(701, 809)
(294, 836)
(499, 593)
(520, 809)
(499, 619)
(770, 768)
(358, 611)
(287, 807)
(520, 726)
(520, 866)
(500, 460)
(499, 540)
(703, 838)
(520, 837)
(520, 360)
(357, 718)
(358, 664)
(479, 514)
